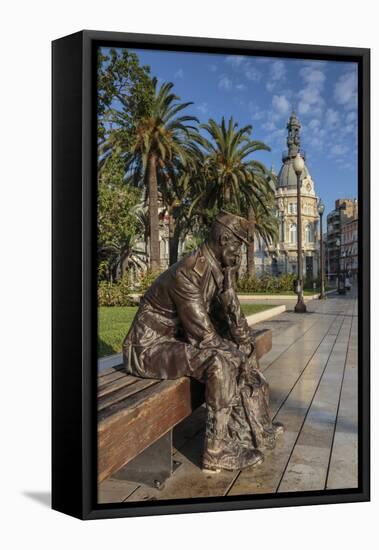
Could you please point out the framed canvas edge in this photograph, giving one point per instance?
(86, 507)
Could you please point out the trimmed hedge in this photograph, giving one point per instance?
(266, 283)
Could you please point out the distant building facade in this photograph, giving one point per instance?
(283, 257)
(349, 248)
(342, 236)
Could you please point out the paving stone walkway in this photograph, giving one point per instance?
(312, 372)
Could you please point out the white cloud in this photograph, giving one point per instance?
(281, 104)
(245, 66)
(310, 97)
(345, 90)
(339, 149)
(312, 75)
(213, 68)
(276, 74)
(255, 111)
(262, 60)
(241, 87)
(235, 60)
(314, 136)
(225, 83)
(252, 72)
(203, 108)
(350, 128)
(351, 117)
(332, 118)
(277, 70)
(269, 126)
(179, 74)
(277, 136)
(314, 124)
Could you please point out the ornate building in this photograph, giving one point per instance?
(283, 258)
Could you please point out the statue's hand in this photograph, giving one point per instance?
(246, 348)
(230, 272)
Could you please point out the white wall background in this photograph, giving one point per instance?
(27, 29)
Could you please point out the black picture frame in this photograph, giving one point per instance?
(74, 356)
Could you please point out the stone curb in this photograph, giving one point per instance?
(266, 314)
(262, 297)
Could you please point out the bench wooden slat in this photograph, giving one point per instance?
(103, 381)
(114, 385)
(110, 370)
(121, 394)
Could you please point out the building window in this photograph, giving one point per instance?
(308, 233)
(292, 208)
(293, 233)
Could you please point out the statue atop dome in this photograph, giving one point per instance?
(293, 137)
(287, 176)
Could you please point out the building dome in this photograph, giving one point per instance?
(287, 175)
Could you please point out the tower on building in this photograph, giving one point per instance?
(283, 257)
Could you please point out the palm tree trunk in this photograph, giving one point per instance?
(174, 235)
(152, 183)
(227, 197)
(250, 248)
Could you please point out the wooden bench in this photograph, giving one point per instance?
(136, 417)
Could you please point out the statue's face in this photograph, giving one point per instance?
(230, 250)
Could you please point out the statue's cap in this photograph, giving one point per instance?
(237, 225)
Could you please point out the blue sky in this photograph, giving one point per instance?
(262, 91)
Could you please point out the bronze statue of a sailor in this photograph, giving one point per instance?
(190, 323)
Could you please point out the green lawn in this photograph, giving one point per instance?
(114, 323)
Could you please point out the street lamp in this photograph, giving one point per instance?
(341, 285)
(298, 166)
(341, 276)
(320, 210)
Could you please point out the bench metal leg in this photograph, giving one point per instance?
(153, 466)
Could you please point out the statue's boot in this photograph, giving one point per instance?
(278, 428)
(270, 434)
(221, 452)
(224, 454)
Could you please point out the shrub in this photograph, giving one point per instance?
(114, 294)
(267, 283)
(146, 280)
(286, 282)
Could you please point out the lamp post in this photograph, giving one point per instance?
(341, 276)
(281, 239)
(298, 166)
(320, 209)
(341, 285)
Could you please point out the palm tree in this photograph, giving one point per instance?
(178, 188)
(227, 167)
(161, 139)
(235, 181)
